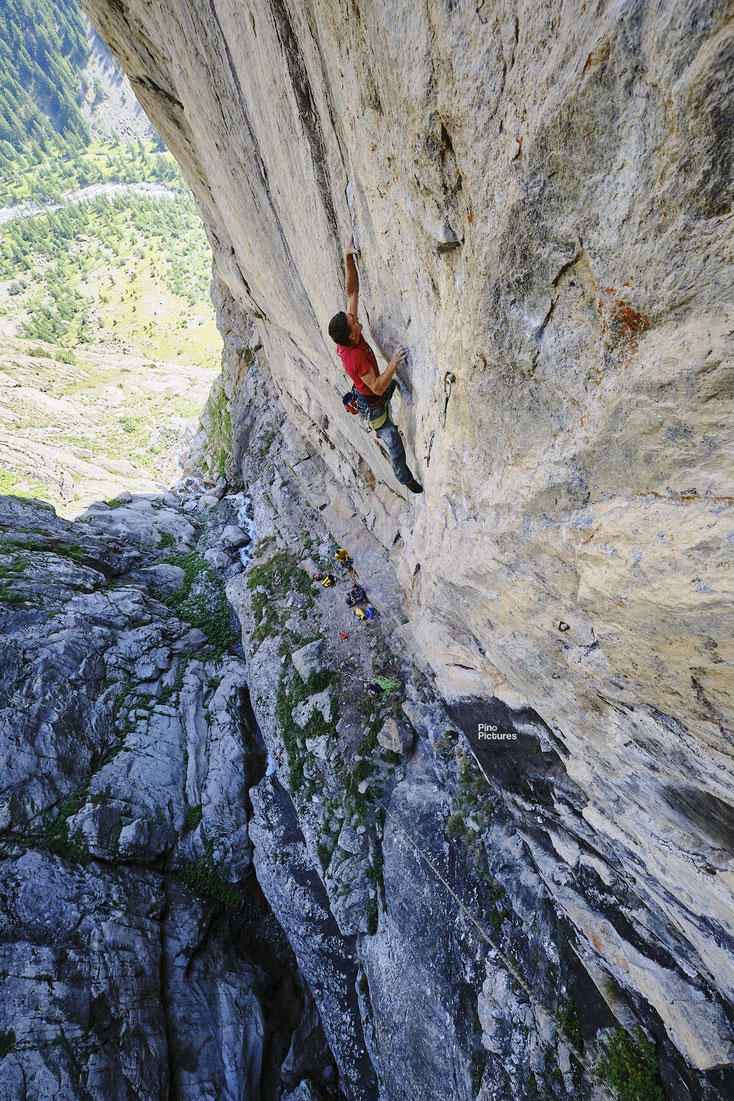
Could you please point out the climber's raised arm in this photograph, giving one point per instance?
(352, 277)
(378, 384)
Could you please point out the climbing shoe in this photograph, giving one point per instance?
(413, 486)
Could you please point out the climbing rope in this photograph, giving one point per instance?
(583, 1059)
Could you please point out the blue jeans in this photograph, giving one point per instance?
(391, 439)
(390, 436)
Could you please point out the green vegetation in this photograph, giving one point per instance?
(391, 757)
(202, 601)
(218, 420)
(371, 710)
(570, 1025)
(62, 254)
(292, 691)
(372, 911)
(478, 1063)
(14, 569)
(43, 48)
(204, 878)
(324, 852)
(279, 576)
(7, 1042)
(193, 816)
(374, 874)
(56, 837)
(630, 1067)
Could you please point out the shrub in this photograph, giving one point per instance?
(193, 816)
(570, 1025)
(630, 1067)
(204, 879)
(372, 911)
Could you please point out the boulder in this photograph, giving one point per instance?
(217, 558)
(165, 577)
(309, 659)
(234, 537)
(395, 737)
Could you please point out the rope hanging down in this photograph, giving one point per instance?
(584, 1058)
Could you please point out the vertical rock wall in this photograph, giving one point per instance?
(542, 196)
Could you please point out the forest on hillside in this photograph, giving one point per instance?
(43, 50)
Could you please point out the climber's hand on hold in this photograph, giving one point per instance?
(398, 355)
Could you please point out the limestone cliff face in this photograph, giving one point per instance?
(542, 197)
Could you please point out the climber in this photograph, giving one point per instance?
(374, 389)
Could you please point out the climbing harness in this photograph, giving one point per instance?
(448, 381)
(373, 410)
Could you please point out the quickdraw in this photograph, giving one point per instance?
(448, 381)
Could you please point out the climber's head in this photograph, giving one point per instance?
(345, 329)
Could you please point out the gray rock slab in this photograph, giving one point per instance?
(165, 577)
(320, 701)
(309, 659)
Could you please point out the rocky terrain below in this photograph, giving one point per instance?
(137, 953)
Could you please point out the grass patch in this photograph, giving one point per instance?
(570, 1025)
(165, 540)
(193, 816)
(630, 1067)
(278, 577)
(204, 879)
(456, 826)
(202, 601)
(56, 837)
(290, 693)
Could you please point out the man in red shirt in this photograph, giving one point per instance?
(374, 388)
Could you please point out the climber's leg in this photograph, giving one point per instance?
(390, 436)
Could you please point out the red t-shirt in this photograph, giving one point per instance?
(358, 361)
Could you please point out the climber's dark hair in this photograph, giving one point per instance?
(339, 328)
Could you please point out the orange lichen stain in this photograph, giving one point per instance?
(595, 58)
(620, 327)
(665, 214)
(595, 941)
(470, 216)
